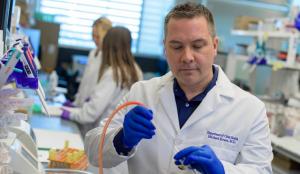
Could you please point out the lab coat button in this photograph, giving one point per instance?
(187, 104)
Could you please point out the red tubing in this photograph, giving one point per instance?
(100, 153)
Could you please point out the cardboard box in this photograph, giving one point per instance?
(49, 44)
(244, 22)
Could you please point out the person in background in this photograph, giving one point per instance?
(118, 71)
(90, 75)
(193, 117)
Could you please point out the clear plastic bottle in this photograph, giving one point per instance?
(53, 82)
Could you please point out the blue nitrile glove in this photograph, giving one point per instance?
(137, 125)
(68, 103)
(201, 158)
(65, 115)
(297, 22)
(252, 60)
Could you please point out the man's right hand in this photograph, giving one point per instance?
(137, 125)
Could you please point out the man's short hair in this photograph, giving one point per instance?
(190, 10)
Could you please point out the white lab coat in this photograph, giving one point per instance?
(230, 120)
(89, 78)
(104, 98)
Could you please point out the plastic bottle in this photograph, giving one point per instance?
(53, 82)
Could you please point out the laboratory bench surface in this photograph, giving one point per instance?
(287, 146)
(52, 123)
(41, 121)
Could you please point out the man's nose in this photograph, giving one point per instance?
(187, 56)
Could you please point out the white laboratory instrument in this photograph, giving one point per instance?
(22, 160)
(17, 65)
(1, 43)
(25, 135)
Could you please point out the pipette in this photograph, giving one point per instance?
(44, 104)
(20, 57)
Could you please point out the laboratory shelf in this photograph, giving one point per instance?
(255, 33)
(292, 36)
(296, 66)
(268, 5)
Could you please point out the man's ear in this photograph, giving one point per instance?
(216, 44)
(164, 43)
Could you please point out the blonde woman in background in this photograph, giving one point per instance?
(90, 77)
(117, 73)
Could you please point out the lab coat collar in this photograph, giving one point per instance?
(224, 86)
(167, 98)
(222, 92)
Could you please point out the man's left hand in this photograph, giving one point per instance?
(201, 158)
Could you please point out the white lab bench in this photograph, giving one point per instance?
(52, 123)
(288, 147)
(40, 121)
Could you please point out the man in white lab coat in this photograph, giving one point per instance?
(194, 117)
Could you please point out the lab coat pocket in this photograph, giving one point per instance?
(225, 154)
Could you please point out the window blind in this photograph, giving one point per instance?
(144, 18)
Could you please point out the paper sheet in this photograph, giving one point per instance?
(53, 110)
(43, 156)
(47, 139)
(57, 110)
